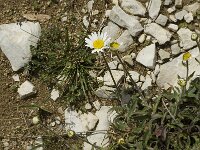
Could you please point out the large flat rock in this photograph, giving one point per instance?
(130, 22)
(147, 56)
(159, 33)
(185, 38)
(154, 8)
(168, 76)
(15, 41)
(133, 7)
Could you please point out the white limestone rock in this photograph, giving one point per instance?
(15, 42)
(163, 54)
(153, 77)
(117, 77)
(120, 67)
(156, 70)
(85, 21)
(133, 7)
(161, 34)
(126, 41)
(26, 89)
(101, 138)
(73, 121)
(162, 20)
(55, 94)
(95, 12)
(16, 77)
(147, 56)
(53, 124)
(135, 76)
(133, 55)
(185, 38)
(171, 9)
(175, 49)
(174, 41)
(179, 15)
(147, 83)
(188, 17)
(89, 120)
(142, 78)
(167, 2)
(173, 27)
(178, 3)
(168, 78)
(118, 16)
(97, 105)
(64, 19)
(79, 122)
(115, 2)
(90, 5)
(112, 30)
(192, 8)
(88, 106)
(113, 65)
(107, 13)
(92, 73)
(142, 38)
(105, 92)
(128, 59)
(154, 8)
(172, 18)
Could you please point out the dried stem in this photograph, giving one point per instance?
(131, 79)
(118, 91)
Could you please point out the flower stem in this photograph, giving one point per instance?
(118, 91)
(168, 110)
(187, 74)
(131, 79)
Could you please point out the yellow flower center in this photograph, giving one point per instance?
(98, 44)
(186, 56)
(181, 82)
(114, 45)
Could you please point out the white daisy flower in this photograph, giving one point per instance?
(98, 42)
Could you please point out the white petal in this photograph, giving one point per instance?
(95, 36)
(89, 45)
(94, 51)
(88, 40)
(101, 50)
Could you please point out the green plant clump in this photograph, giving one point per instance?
(170, 121)
(61, 63)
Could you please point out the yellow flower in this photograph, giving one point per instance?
(70, 133)
(186, 56)
(182, 82)
(194, 36)
(115, 45)
(121, 141)
(98, 42)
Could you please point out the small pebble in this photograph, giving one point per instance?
(53, 124)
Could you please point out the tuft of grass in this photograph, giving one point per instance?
(64, 64)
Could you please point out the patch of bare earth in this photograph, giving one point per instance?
(16, 126)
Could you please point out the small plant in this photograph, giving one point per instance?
(169, 121)
(64, 64)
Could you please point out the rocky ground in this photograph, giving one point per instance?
(154, 35)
